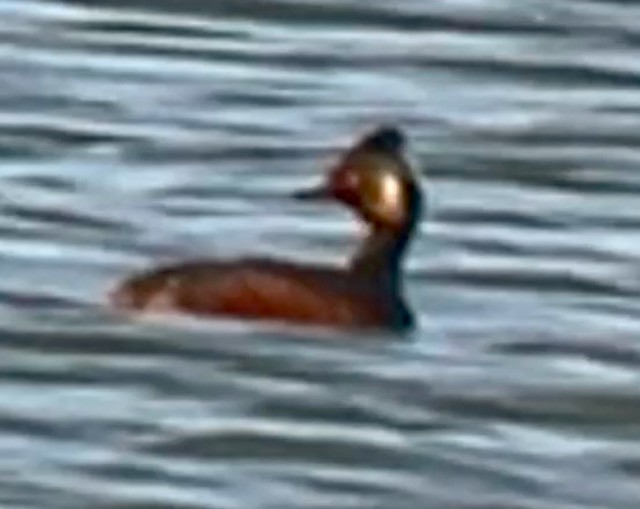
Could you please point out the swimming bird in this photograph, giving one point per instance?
(374, 180)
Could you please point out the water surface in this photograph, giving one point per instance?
(139, 132)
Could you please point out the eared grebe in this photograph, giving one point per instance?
(374, 180)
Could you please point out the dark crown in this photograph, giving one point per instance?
(385, 139)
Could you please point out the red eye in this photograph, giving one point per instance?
(345, 185)
(351, 179)
(346, 179)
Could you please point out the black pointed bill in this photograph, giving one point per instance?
(313, 193)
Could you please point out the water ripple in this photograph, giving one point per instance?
(137, 132)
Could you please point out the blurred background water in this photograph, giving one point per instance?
(134, 132)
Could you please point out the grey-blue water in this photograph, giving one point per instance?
(140, 131)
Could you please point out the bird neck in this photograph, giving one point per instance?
(380, 256)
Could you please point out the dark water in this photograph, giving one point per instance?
(139, 131)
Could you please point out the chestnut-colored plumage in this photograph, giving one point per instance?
(372, 179)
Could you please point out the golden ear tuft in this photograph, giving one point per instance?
(384, 197)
